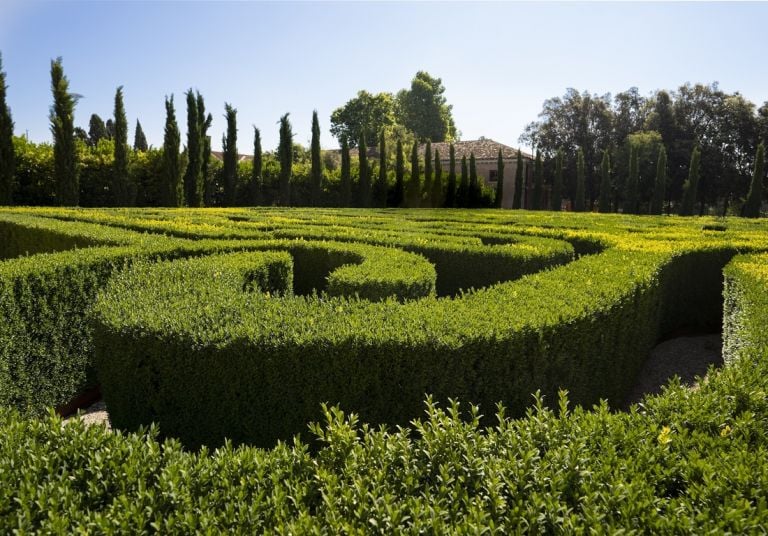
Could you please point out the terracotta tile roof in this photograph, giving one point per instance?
(354, 152)
(218, 155)
(483, 149)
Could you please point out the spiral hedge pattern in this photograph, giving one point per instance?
(239, 325)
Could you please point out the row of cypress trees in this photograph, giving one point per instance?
(187, 186)
(427, 186)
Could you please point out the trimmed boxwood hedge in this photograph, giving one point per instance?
(46, 350)
(586, 326)
(689, 461)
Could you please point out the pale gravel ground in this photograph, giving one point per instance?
(96, 413)
(686, 357)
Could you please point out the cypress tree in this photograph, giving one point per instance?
(557, 183)
(474, 185)
(120, 181)
(426, 201)
(139, 139)
(364, 185)
(194, 172)
(380, 188)
(97, 130)
(229, 146)
(691, 186)
(517, 200)
(414, 185)
(257, 185)
(450, 190)
(630, 199)
(499, 180)
(462, 192)
(7, 156)
(173, 192)
(537, 203)
(316, 177)
(659, 187)
(755, 196)
(346, 174)
(604, 203)
(437, 182)
(399, 196)
(62, 118)
(204, 188)
(110, 126)
(581, 178)
(285, 156)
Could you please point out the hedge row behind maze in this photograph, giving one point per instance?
(687, 461)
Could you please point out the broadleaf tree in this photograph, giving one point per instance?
(423, 109)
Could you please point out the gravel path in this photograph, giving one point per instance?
(94, 414)
(686, 357)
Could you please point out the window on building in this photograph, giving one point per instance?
(492, 175)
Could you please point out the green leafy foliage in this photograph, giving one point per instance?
(237, 324)
(62, 117)
(172, 190)
(7, 157)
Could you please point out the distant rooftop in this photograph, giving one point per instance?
(483, 149)
(218, 155)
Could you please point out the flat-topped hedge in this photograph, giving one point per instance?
(586, 326)
(689, 461)
(238, 323)
(56, 263)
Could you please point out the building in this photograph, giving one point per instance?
(219, 155)
(486, 153)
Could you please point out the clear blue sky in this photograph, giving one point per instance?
(498, 61)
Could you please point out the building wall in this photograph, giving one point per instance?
(484, 168)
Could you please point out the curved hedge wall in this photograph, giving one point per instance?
(46, 342)
(688, 461)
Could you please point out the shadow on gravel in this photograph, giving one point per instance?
(684, 355)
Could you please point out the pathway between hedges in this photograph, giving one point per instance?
(686, 357)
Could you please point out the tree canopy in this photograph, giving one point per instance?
(421, 110)
(366, 113)
(726, 126)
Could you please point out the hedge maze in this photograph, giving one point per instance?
(233, 329)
